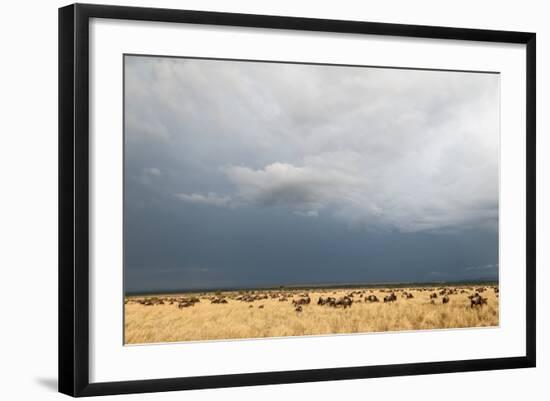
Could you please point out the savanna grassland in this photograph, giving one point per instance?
(297, 312)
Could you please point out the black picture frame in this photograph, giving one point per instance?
(74, 198)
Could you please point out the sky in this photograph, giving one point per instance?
(243, 174)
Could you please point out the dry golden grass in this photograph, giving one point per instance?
(237, 319)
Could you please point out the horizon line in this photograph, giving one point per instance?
(310, 286)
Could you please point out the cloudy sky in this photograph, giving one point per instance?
(243, 174)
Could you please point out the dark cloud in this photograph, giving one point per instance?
(240, 173)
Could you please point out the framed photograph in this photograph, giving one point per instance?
(252, 199)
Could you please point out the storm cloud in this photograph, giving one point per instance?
(378, 153)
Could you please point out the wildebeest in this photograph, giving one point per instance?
(390, 298)
(298, 308)
(260, 307)
(191, 301)
(445, 299)
(344, 301)
(371, 298)
(251, 297)
(151, 301)
(477, 299)
(330, 301)
(321, 301)
(301, 301)
(219, 301)
(433, 295)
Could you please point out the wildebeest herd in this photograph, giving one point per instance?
(299, 299)
(409, 308)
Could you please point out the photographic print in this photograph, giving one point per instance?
(274, 199)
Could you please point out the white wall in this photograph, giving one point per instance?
(28, 209)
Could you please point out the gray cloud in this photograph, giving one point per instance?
(484, 267)
(211, 198)
(263, 147)
(152, 171)
(409, 149)
(309, 213)
(346, 186)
